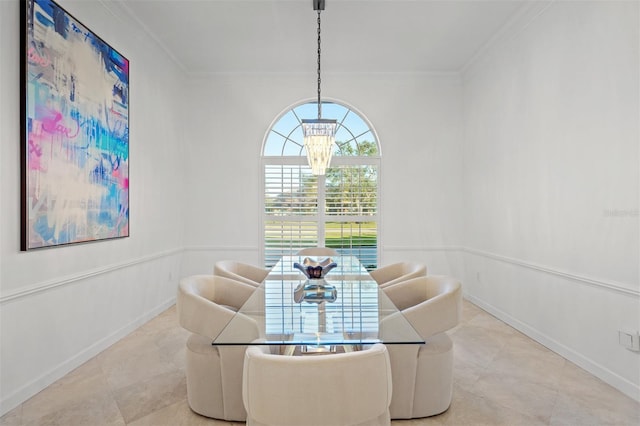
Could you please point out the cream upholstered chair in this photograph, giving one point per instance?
(398, 272)
(317, 251)
(239, 271)
(352, 388)
(205, 304)
(423, 374)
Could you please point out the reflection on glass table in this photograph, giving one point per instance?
(358, 314)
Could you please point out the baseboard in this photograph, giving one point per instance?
(623, 385)
(28, 390)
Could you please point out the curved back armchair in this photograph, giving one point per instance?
(317, 251)
(398, 272)
(205, 305)
(242, 272)
(423, 374)
(352, 388)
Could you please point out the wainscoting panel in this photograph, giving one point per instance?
(576, 316)
(51, 328)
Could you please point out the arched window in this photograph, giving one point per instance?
(339, 209)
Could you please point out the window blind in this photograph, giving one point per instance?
(343, 215)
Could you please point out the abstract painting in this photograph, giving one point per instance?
(75, 131)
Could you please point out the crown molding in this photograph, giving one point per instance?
(122, 11)
(525, 15)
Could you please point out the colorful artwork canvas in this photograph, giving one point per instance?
(75, 131)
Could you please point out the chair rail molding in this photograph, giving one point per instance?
(70, 279)
(223, 248)
(421, 248)
(65, 280)
(582, 279)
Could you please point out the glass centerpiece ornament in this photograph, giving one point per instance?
(315, 289)
(315, 270)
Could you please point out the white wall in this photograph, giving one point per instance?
(551, 121)
(417, 118)
(61, 306)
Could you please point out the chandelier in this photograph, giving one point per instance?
(319, 134)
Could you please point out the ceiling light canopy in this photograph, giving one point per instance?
(319, 134)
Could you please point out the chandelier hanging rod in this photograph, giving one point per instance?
(319, 6)
(319, 134)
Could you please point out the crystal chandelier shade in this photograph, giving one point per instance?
(319, 136)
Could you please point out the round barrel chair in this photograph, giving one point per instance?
(205, 305)
(423, 374)
(352, 388)
(398, 272)
(242, 272)
(317, 251)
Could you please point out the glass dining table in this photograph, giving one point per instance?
(346, 311)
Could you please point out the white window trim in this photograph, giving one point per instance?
(336, 160)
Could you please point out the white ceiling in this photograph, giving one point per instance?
(263, 36)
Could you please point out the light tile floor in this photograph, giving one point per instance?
(501, 378)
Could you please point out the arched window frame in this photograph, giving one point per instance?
(337, 161)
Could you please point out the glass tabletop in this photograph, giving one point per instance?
(347, 307)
